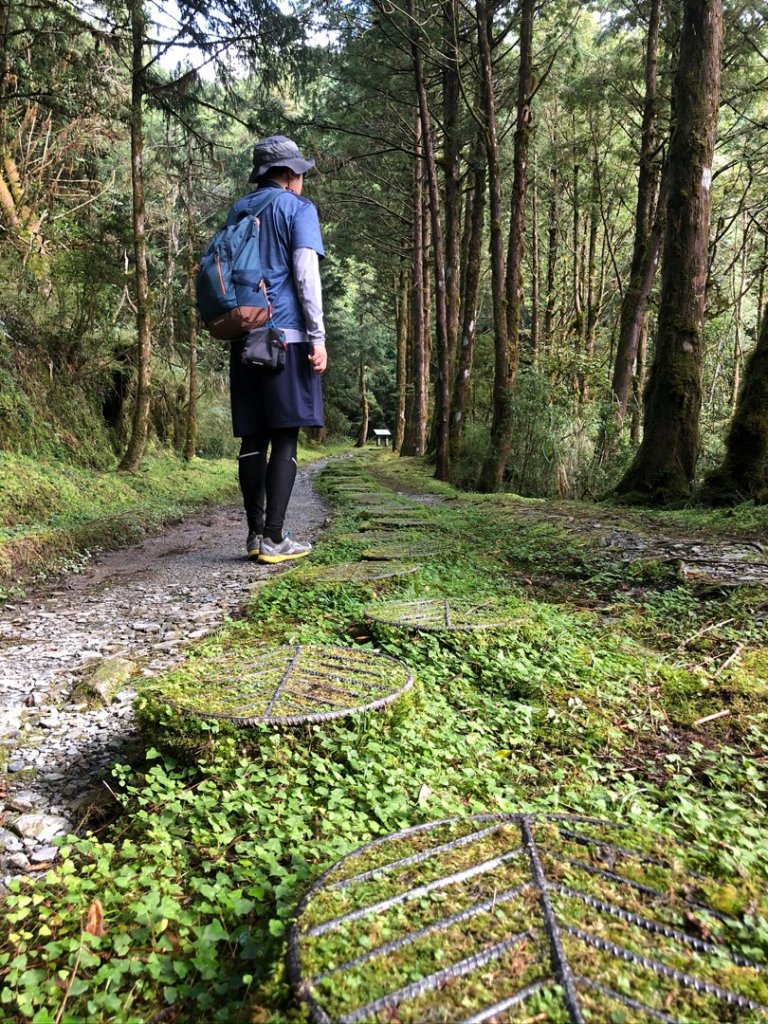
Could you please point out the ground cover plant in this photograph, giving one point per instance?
(602, 697)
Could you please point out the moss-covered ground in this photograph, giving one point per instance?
(624, 692)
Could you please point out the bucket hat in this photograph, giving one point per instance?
(278, 151)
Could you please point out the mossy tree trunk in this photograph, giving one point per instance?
(140, 425)
(414, 439)
(472, 246)
(401, 377)
(507, 287)
(442, 390)
(190, 430)
(552, 254)
(665, 463)
(645, 249)
(362, 435)
(744, 471)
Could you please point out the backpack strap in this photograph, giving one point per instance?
(253, 204)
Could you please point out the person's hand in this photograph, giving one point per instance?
(318, 356)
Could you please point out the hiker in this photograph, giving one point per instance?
(268, 409)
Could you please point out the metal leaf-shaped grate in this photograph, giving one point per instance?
(521, 917)
(358, 572)
(440, 615)
(391, 552)
(290, 685)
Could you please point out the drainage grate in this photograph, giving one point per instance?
(393, 552)
(551, 917)
(396, 521)
(290, 685)
(440, 615)
(387, 537)
(358, 572)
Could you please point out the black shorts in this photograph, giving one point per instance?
(291, 398)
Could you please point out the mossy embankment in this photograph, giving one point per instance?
(623, 691)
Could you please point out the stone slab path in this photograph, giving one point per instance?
(132, 611)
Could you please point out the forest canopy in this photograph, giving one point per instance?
(545, 224)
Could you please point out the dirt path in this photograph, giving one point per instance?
(132, 611)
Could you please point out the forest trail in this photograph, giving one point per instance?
(136, 610)
(132, 611)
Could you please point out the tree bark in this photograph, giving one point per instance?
(139, 429)
(190, 427)
(644, 254)
(402, 359)
(665, 463)
(744, 470)
(507, 306)
(552, 247)
(535, 269)
(414, 440)
(442, 388)
(451, 179)
(474, 223)
(362, 435)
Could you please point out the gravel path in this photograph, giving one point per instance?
(133, 610)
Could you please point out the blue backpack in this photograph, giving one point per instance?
(231, 294)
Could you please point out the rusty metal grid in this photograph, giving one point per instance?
(391, 552)
(441, 615)
(358, 572)
(534, 906)
(294, 685)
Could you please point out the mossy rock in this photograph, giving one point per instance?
(104, 681)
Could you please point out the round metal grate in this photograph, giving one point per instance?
(393, 552)
(522, 917)
(441, 615)
(290, 685)
(358, 572)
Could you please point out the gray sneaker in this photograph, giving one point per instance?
(253, 544)
(271, 551)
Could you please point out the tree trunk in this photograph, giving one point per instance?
(644, 254)
(508, 305)
(744, 471)
(442, 389)
(190, 429)
(638, 383)
(739, 290)
(535, 269)
(552, 239)
(452, 179)
(416, 408)
(578, 309)
(474, 223)
(362, 435)
(138, 440)
(593, 301)
(402, 359)
(665, 463)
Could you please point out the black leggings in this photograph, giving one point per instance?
(267, 484)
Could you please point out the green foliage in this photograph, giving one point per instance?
(571, 709)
